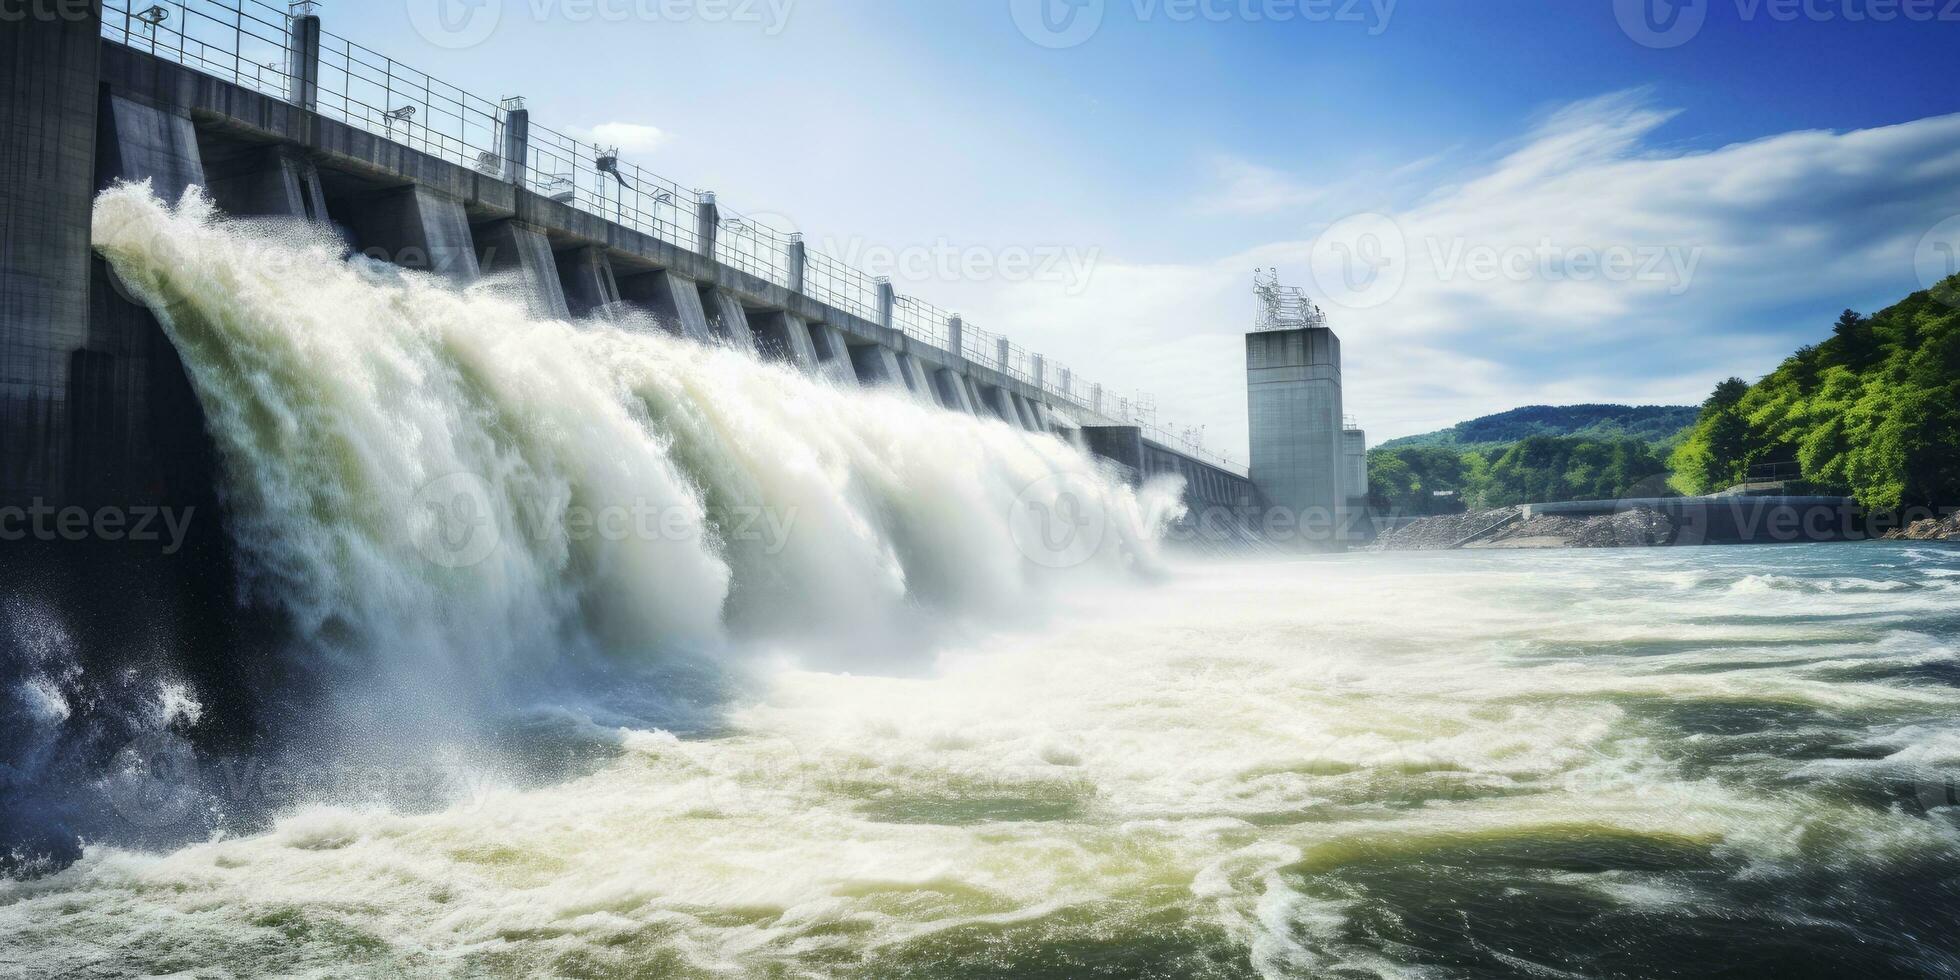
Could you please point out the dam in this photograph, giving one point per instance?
(275, 116)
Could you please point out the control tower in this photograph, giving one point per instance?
(1300, 458)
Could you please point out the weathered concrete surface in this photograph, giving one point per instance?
(263, 181)
(585, 278)
(508, 247)
(415, 227)
(782, 337)
(136, 142)
(1293, 389)
(48, 101)
(727, 319)
(674, 299)
(877, 367)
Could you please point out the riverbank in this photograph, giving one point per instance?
(1510, 528)
(1931, 529)
(1646, 522)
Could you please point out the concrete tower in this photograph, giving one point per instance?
(1354, 480)
(1293, 384)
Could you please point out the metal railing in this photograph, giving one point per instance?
(251, 44)
(243, 42)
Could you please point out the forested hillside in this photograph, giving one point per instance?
(1660, 424)
(1872, 411)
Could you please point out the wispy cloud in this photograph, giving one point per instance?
(633, 139)
(1245, 187)
(1736, 254)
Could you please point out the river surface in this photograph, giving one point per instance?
(1735, 761)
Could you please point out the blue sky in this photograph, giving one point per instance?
(1778, 164)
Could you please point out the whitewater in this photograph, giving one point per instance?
(892, 737)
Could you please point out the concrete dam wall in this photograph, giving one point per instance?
(94, 111)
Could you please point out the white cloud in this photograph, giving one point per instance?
(1753, 248)
(633, 139)
(1249, 188)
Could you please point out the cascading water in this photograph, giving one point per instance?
(461, 515)
(431, 484)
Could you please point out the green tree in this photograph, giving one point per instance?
(1872, 411)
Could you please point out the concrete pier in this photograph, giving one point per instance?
(136, 142)
(877, 367)
(783, 337)
(508, 247)
(263, 181)
(953, 391)
(415, 227)
(674, 299)
(585, 279)
(727, 319)
(916, 379)
(833, 354)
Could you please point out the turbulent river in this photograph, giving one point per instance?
(909, 750)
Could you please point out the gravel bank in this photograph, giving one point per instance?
(1638, 527)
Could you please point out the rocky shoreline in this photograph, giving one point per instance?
(1931, 529)
(1638, 527)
